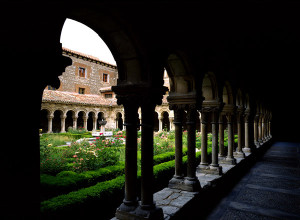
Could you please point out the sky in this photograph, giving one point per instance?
(77, 36)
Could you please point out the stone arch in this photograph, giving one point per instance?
(179, 71)
(239, 99)
(210, 87)
(227, 94)
(123, 46)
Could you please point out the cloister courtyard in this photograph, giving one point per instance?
(220, 140)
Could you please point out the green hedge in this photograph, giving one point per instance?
(106, 195)
(67, 181)
(103, 193)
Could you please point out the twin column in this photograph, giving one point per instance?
(190, 182)
(131, 208)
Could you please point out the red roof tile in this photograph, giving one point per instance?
(75, 98)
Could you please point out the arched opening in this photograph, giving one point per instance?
(209, 87)
(56, 121)
(44, 120)
(165, 121)
(119, 121)
(69, 119)
(90, 121)
(80, 120)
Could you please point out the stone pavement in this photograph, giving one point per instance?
(173, 200)
(270, 190)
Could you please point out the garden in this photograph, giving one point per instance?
(77, 172)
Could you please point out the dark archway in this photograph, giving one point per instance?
(165, 121)
(56, 121)
(80, 120)
(69, 119)
(90, 121)
(119, 121)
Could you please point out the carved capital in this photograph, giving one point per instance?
(191, 114)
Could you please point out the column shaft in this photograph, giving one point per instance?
(130, 201)
(214, 124)
(147, 155)
(50, 118)
(221, 137)
(178, 143)
(204, 161)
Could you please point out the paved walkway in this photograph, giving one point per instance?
(270, 190)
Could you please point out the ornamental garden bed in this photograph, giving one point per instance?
(77, 178)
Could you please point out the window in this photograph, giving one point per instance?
(105, 77)
(108, 96)
(81, 71)
(81, 90)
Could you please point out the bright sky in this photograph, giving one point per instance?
(76, 36)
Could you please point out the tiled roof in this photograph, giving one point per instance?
(84, 99)
(87, 56)
(75, 98)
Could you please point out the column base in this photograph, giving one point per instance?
(247, 149)
(238, 154)
(215, 170)
(202, 167)
(228, 160)
(191, 184)
(221, 157)
(176, 182)
(142, 212)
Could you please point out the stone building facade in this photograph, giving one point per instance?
(85, 97)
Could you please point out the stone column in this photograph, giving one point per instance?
(230, 159)
(256, 118)
(214, 166)
(94, 123)
(85, 121)
(178, 177)
(239, 153)
(160, 123)
(75, 122)
(130, 201)
(221, 138)
(260, 141)
(63, 123)
(204, 162)
(147, 206)
(171, 119)
(247, 140)
(50, 118)
(191, 182)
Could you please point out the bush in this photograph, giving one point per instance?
(67, 181)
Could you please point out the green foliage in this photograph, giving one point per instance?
(67, 181)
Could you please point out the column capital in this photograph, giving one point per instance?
(191, 115)
(139, 94)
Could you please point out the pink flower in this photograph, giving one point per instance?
(74, 155)
(97, 138)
